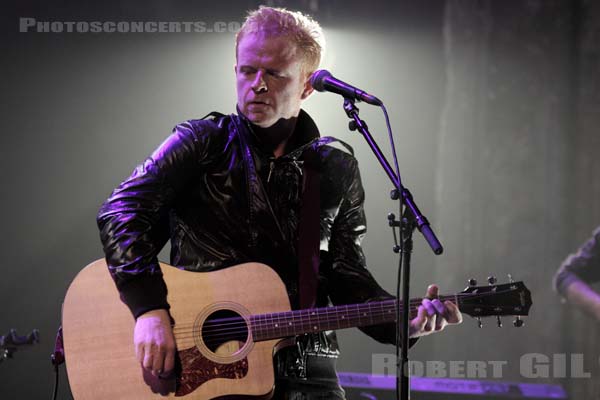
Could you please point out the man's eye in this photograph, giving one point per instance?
(247, 71)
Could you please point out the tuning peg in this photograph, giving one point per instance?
(499, 321)
(492, 280)
(472, 282)
(518, 322)
(510, 279)
(479, 323)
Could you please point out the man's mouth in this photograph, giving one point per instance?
(257, 105)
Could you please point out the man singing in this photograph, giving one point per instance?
(233, 189)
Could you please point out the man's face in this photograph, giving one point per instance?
(271, 83)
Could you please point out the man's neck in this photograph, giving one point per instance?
(276, 136)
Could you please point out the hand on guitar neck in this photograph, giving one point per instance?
(433, 315)
(155, 349)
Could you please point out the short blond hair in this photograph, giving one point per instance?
(305, 32)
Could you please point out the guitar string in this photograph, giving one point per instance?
(302, 314)
(283, 322)
(216, 337)
(242, 330)
(260, 320)
(240, 327)
(280, 332)
(281, 319)
(267, 320)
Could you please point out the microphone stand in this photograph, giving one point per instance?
(412, 218)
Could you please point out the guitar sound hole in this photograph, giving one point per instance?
(224, 332)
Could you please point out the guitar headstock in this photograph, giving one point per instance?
(497, 300)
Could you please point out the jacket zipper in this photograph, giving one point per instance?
(271, 168)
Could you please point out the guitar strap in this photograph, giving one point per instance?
(309, 236)
(309, 226)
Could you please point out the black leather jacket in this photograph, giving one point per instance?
(198, 190)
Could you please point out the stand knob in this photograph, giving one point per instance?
(518, 322)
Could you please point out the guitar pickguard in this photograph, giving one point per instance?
(197, 369)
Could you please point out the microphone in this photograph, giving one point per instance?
(323, 81)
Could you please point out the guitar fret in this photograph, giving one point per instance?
(276, 329)
(264, 326)
(279, 324)
(270, 330)
(300, 328)
(283, 324)
(255, 326)
(382, 312)
(349, 315)
(289, 326)
(345, 316)
(317, 320)
(359, 314)
(252, 327)
(257, 333)
(294, 327)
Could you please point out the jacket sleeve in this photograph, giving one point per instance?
(584, 265)
(134, 220)
(349, 279)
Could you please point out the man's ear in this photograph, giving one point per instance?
(235, 68)
(308, 89)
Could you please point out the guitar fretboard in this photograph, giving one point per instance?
(278, 325)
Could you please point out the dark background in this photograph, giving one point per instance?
(494, 106)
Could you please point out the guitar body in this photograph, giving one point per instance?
(98, 335)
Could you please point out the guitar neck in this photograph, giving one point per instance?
(291, 323)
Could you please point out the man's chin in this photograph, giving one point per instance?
(260, 120)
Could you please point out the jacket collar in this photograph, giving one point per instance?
(305, 131)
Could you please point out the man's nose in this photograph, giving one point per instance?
(259, 84)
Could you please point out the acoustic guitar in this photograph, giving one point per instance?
(227, 326)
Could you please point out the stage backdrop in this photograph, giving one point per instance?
(494, 107)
